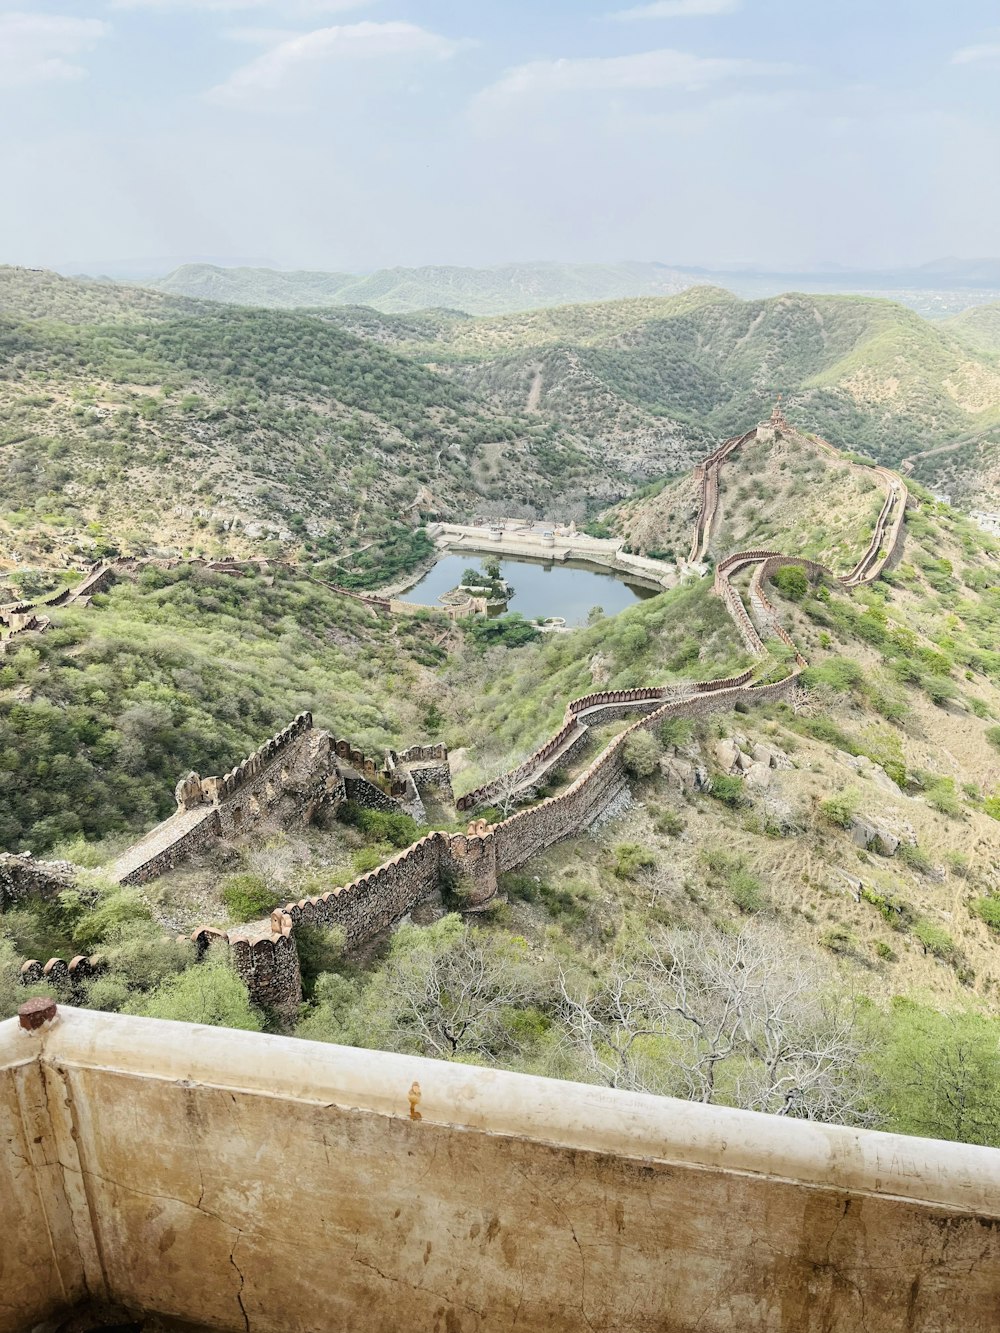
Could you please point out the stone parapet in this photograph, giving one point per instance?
(239, 1180)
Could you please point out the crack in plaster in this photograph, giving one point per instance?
(239, 1292)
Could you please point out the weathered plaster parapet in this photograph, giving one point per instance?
(253, 1182)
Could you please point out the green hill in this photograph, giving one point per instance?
(868, 374)
(978, 327)
(473, 290)
(129, 419)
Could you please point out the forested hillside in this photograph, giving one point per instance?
(979, 327)
(869, 375)
(132, 421)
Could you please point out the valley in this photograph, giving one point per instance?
(792, 740)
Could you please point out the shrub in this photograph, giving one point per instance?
(992, 805)
(746, 891)
(729, 790)
(839, 673)
(841, 807)
(791, 581)
(940, 689)
(114, 910)
(883, 950)
(676, 731)
(730, 870)
(640, 754)
(837, 940)
(941, 795)
(630, 858)
(567, 901)
(320, 949)
(992, 734)
(397, 829)
(913, 855)
(368, 858)
(209, 992)
(988, 910)
(248, 896)
(897, 913)
(670, 823)
(935, 940)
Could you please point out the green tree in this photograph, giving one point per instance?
(791, 581)
(941, 1074)
(640, 754)
(209, 993)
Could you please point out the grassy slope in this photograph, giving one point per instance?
(192, 670)
(978, 326)
(101, 715)
(783, 496)
(906, 673)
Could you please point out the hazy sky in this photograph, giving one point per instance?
(352, 134)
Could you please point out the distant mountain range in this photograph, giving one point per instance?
(941, 288)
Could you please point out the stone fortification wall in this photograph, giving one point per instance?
(237, 1180)
(422, 754)
(708, 473)
(298, 762)
(533, 830)
(248, 771)
(59, 972)
(373, 902)
(166, 846)
(23, 877)
(490, 791)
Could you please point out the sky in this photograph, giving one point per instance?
(350, 135)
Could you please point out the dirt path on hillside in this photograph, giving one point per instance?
(535, 392)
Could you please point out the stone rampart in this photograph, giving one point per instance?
(377, 900)
(490, 791)
(533, 830)
(298, 762)
(57, 972)
(23, 877)
(166, 846)
(269, 965)
(421, 754)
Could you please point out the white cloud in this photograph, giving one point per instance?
(288, 62)
(987, 54)
(647, 69)
(679, 9)
(42, 48)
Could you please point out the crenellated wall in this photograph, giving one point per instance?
(299, 762)
(308, 764)
(58, 972)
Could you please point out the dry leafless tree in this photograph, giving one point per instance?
(740, 1019)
